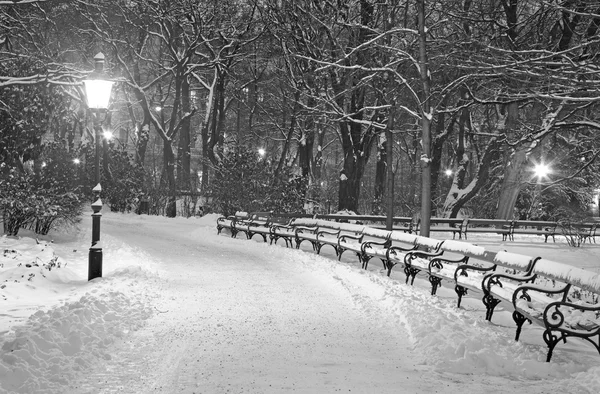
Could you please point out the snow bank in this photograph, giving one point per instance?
(46, 353)
(456, 340)
(52, 346)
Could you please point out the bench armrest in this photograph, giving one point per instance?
(554, 318)
(280, 226)
(358, 237)
(395, 249)
(328, 232)
(369, 244)
(463, 270)
(423, 254)
(305, 229)
(495, 279)
(438, 262)
(522, 290)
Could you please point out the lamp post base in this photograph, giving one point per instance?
(95, 263)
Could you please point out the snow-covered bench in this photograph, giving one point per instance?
(557, 302)
(414, 261)
(318, 232)
(285, 231)
(448, 225)
(258, 223)
(487, 226)
(230, 222)
(533, 227)
(500, 286)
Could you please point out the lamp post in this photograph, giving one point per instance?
(97, 90)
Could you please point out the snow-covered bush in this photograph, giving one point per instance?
(247, 182)
(17, 200)
(41, 198)
(123, 188)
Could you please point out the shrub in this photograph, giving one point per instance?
(246, 182)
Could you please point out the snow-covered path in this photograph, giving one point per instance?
(238, 316)
(236, 321)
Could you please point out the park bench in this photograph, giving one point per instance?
(478, 276)
(449, 268)
(414, 260)
(258, 223)
(230, 222)
(577, 233)
(534, 227)
(322, 232)
(563, 301)
(500, 286)
(448, 225)
(341, 236)
(587, 232)
(282, 227)
(487, 226)
(379, 247)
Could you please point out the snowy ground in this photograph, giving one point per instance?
(183, 310)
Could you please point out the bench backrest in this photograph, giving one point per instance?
(585, 280)
(464, 248)
(495, 223)
(534, 223)
(452, 222)
(516, 261)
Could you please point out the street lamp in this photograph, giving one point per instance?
(97, 92)
(541, 171)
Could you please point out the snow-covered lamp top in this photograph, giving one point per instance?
(97, 86)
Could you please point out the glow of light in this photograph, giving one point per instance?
(44, 164)
(108, 134)
(158, 108)
(261, 151)
(448, 172)
(541, 170)
(76, 161)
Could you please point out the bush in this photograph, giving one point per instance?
(124, 187)
(246, 182)
(44, 199)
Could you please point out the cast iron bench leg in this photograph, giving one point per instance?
(490, 303)
(460, 291)
(519, 320)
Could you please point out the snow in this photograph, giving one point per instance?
(463, 248)
(182, 309)
(587, 280)
(513, 260)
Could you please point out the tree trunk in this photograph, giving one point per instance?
(307, 142)
(356, 155)
(380, 174)
(184, 150)
(513, 169)
(169, 162)
(426, 116)
(290, 134)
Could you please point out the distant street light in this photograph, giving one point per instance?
(76, 161)
(541, 170)
(97, 90)
(262, 152)
(108, 135)
(448, 172)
